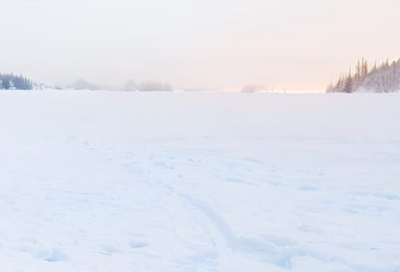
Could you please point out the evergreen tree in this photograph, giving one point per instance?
(384, 77)
(11, 81)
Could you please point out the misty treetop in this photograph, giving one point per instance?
(147, 86)
(382, 78)
(15, 82)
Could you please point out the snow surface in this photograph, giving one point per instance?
(119, 181)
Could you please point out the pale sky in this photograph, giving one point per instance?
(224, 44)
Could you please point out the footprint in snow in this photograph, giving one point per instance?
(108, 250)
(52, 255)
(387, 196)
(138, 244)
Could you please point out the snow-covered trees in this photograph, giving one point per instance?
(131, 86)
(252, 88)
(82, 84)
(147, 86)
(11, 81)
(382, 78)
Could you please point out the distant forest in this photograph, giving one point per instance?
(15, 82)
(131, 85)
(382, 78)
(147, 86)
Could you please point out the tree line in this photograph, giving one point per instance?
(15, 82)
(147, 86)
(383, 77)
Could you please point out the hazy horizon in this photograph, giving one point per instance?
(294, 45)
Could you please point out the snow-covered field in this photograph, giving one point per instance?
(114, 181)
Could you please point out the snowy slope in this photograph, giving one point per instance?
(116, 181)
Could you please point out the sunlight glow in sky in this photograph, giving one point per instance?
(222, 44)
